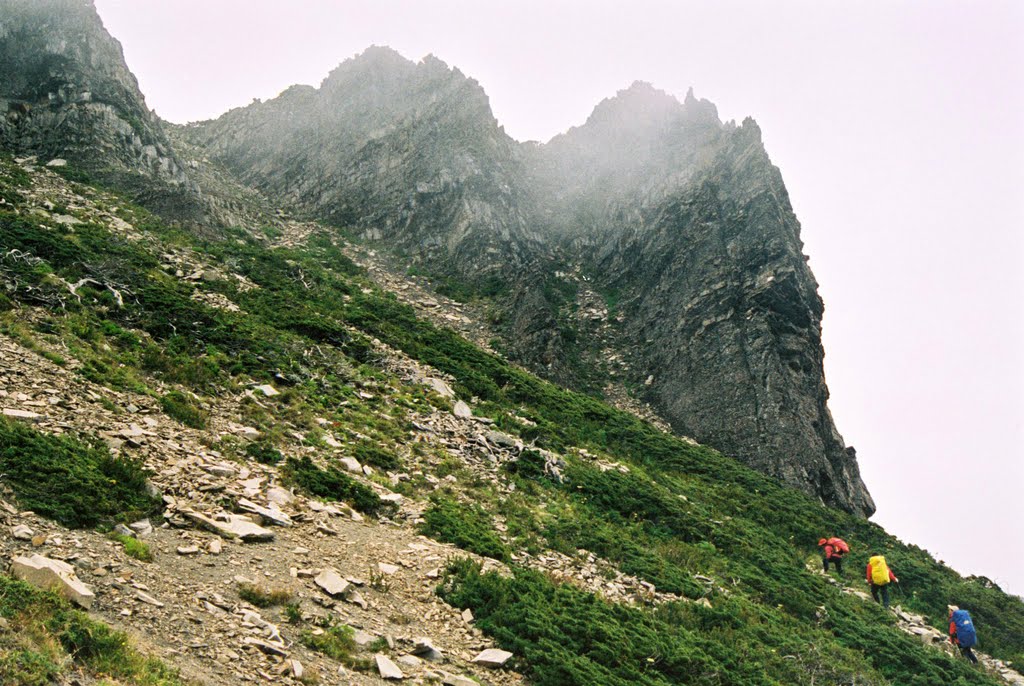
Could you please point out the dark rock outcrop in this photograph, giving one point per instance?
(408, 154)
(66, 92)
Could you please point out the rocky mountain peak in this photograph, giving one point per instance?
(377, 71)
(638, 110)
(701, 110)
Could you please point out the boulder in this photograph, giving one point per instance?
(143, 528)
(492, 657)
(235, 527)
(423, 647)
(502, 440)
(439, 386)
(276, 495)
(351, 464)
(23, 415)
(270, 515)
(387, 668)
(22, 533)
(462, 410)
(42, 572)
(332, 583)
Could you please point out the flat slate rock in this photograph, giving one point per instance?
(332, 583)
(236, 527)
(23, 415)
(269, 514)
(492, 657)
(52, 575)
(387, 668)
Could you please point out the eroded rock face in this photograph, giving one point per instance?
(401, 152)
(656, 205)
(66, 92)
(719, 319)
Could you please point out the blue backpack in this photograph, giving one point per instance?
(965, 635)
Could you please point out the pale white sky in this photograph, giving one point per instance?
(899, 129)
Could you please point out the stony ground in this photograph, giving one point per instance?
(185, 605)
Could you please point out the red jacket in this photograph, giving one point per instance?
(952, 633)
(833, 549)
(892, 577)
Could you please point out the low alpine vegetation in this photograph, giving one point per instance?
(264, 597)
(336, 642)
(75, 483)
(333, 484)
(466, 525)
(134, 548)
(185, 409)
(50, 642)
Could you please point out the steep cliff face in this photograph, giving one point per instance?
(66, 92)
(686, 225)
(653, 204)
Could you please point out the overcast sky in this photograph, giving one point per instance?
(899, 130)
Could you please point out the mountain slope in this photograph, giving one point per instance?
(700, 561)
(680, 223)
(253, 379)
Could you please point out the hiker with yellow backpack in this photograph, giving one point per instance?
(879, 575)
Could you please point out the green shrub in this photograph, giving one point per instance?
(332, 484)
(376, 455)
(184, 408)
(293, 613)
(76, 484)
(467, 526)
(263, 452)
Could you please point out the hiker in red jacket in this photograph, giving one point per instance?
(879, 575)
(832, 550)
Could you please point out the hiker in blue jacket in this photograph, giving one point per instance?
(961, 632)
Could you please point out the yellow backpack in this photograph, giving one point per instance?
(879, 571)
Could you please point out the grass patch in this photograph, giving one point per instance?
(185, 409)
(338, 643)
(264, 597)
(134, 548)
(76, 484)
(50, 641)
